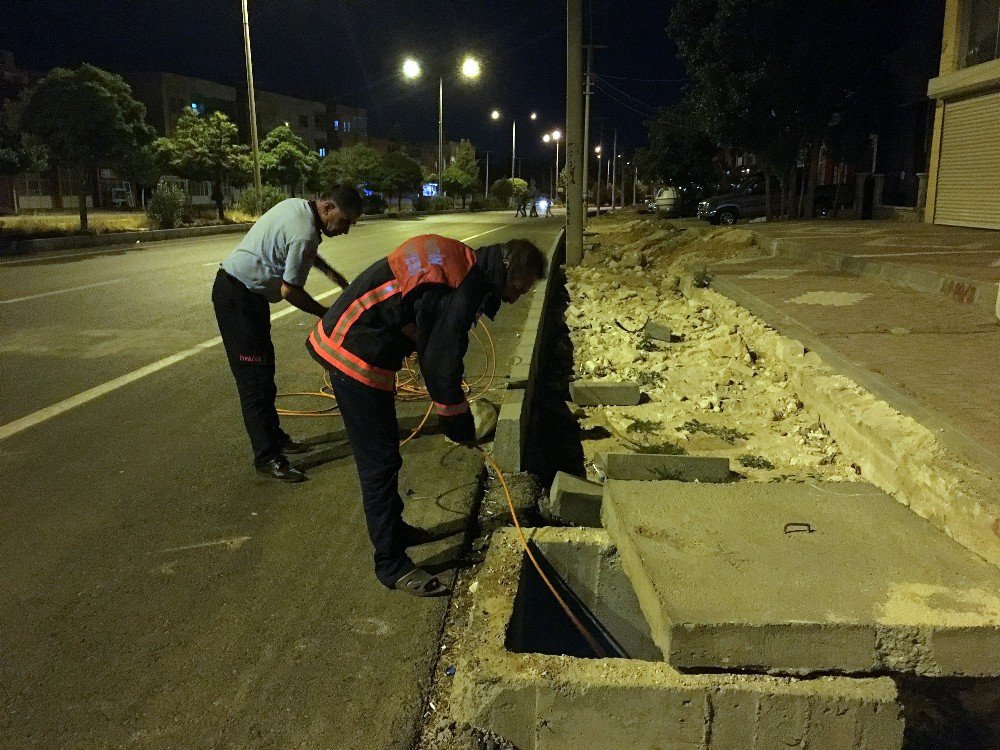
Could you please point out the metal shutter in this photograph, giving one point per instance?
(968, 188)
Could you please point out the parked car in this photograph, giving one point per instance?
(667, 201)
(749, 201)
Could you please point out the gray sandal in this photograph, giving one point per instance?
(418, 582)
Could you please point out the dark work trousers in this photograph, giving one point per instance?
(373, 431)
(245, 324)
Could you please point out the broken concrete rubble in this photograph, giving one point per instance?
(574, 500)
(604, 393)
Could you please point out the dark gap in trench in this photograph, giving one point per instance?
(539, 625)
(950, 713)
(554, 441)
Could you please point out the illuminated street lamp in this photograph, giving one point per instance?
(412, 70)
(597, 150)
(555, 135)
(496, 115)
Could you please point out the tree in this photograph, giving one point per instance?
(85, 118)
(681, 148)
(353, 165)
(285, 159)
(399, 174)
(462, 175)
(770, 73)
(19, 151)
(502, 190)
(205, 148)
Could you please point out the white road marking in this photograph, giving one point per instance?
(61, 407)
(233, 542)
(59, 291)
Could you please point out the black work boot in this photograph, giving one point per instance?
(279, 468)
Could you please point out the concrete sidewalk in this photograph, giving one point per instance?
(933, 357)
(960, 263)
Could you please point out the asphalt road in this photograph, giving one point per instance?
(158, 593)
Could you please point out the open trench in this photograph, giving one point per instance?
(706, 392)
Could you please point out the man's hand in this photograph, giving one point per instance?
(301, 299)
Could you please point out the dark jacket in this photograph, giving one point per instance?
(424, 297)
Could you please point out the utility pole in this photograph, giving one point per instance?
(575, 145)
(253, 106)
(614, 170)
(487, 175)
(440, 186)
(635, 181)
(588, 90)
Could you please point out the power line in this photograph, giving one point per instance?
(610, 95)
(648, 80)
(627, 95)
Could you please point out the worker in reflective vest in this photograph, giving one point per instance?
(424, 297)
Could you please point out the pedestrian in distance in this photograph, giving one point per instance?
(522, 205)
(269, 265)
(534, 206)
(424, 297)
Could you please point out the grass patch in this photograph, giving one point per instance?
(755, 462)
(645, 426)
(726, 434)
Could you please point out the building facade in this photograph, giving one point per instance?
(963, 186)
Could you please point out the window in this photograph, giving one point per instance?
(347, 126)
(36, 184)
(336, 124)
(303, 121)
(980, 32)
(322, 151)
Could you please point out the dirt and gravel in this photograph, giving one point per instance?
(707, 392)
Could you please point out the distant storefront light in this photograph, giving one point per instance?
(430, 190)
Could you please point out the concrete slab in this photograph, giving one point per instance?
(559, 702)
(663, 466)
(657, 331)
(800, 578)
(575, 501)
(604, 393)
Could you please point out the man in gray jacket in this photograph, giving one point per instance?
(269, 265)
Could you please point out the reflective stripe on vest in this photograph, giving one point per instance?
(450, 410)
(331, 349)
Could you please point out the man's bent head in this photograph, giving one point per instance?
(525, 267)
(339, 208)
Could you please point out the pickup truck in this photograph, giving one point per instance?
(749, 201)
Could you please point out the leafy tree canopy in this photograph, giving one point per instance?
(285, 159)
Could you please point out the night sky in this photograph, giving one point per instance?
(351, 51)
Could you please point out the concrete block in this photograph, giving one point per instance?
(604, 393)
(576, 501)
(663, 466)
(508, 442)
(560, 702)
(657, 331)
(802, 578)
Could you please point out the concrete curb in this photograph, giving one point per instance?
(515, 412)
(74, 242)
(983, 294)
(125, 239)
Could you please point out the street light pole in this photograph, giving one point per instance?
(576, 148)
(614, 170)
(487, 175)
(440, 175)
(252, 104)
(513, 147)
